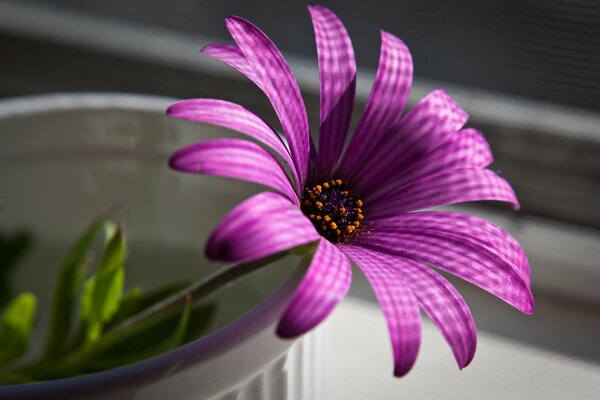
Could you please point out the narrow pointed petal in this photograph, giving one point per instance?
(429, 123)
(262, 225)
(337, 77)
(398, 304)
(444, 305)
(231, 116)
(275, 78)
(325, 284)
(468, 228)
(234, 158)
(443, 188)
(232, 56)
(384, 105)
(473, 263)
(465, 149)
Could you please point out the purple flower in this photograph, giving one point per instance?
(361, 203)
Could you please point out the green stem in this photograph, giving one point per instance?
(199, 290)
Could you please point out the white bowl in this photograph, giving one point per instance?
(65, 159)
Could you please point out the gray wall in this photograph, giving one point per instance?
(544, 49)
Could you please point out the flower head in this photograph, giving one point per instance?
(359, 202)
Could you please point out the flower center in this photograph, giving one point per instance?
(333, 209)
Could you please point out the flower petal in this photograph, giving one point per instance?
(443, 188)
(384, 105)
(468, 228)
(277, 81)
(234, 158)
(473, 263)
(465, 149)
(231, 116)
(262, 225)
(398, 304)
(436, 118)
(325, 284)
(232, 56)
(444, 305)
(337, 76)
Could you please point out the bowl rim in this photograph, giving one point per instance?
(85, 101)
(259, 318)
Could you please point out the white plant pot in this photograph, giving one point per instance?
(64, 159)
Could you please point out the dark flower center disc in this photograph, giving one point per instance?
(333, 209)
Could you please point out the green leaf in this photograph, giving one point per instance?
(85, 308)
(12, 249)
(68, 287)
(110, 295)
(86, 298)
(114, 349)
(178, 334)
(153, 337)
(104, 291)
(130, 304)
(109, 231)
(199, 322)
(135, 300)
(17, 322)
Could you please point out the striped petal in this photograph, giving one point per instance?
(234, 158)
(384, 105)
(231, 116)
(444, 305)
(232, 56)
(468, 228)
(274, 76)
(397, 302)
(465, 149)
(325, 284)
(473, 263)
(262, 225)
(337, 77)
(443, 188)
(419, 132)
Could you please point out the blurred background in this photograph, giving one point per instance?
(527, 71)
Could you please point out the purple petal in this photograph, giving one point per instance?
(264, 224)
(232, 56)
(465, 149)
(234, 158)
(443, 188)
(398, 304)
(337, 76)
(385, 104)
(468, 228)
(325, 284)
(473, 263)
(275, 78)
(232, 116)
(444, 305)
(431, 122)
